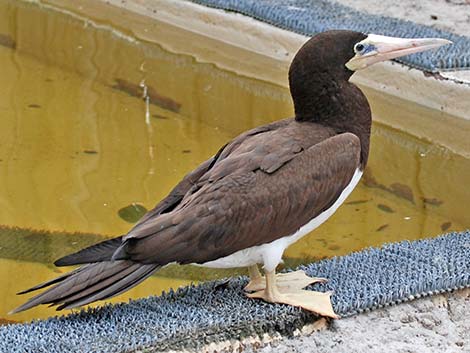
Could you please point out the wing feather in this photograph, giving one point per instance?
(250, 208)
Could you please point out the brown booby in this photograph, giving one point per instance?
(261, 192)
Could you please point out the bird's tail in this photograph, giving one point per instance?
(96, 253)
(89, 283)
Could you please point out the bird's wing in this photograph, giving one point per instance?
(255, 195)
(105, 250)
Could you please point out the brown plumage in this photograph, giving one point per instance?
(220, 214)
(261, 187)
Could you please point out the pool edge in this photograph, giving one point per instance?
(444, 91)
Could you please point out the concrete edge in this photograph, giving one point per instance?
(256, 49)
(257, 341)
(447, 91)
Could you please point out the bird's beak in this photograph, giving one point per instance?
(377, 48)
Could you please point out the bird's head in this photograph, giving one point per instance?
(343, 52)
(322, 67)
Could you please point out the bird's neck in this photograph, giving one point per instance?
(337, 104)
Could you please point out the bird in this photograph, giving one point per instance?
(260, 193)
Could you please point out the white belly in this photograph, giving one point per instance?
(270, 254)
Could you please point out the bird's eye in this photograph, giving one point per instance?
(359, 48)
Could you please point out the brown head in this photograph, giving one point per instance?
(320, 72)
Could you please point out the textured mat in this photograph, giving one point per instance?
(309, 17)
(213, 311)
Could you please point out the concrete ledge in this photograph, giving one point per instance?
(256, 49)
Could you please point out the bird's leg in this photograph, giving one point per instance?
(285, 281)
(316, 302)
(256, 280)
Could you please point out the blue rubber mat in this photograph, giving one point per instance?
(309, 17)
(213, 311)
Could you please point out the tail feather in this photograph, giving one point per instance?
(82, 280)
(95, 286)
(104, 292)
(53, 281)
(96, 253)
(90, 283)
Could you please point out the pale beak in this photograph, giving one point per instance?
(377, 48)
